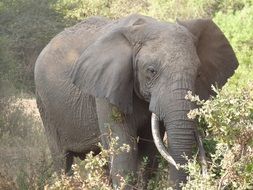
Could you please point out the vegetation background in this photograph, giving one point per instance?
(226, 121)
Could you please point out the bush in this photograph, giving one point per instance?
(79, 10)
(24, 158)
(160, 9)
(90, 173)
(26, 26)
(229, 120)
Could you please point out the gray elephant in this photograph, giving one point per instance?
(123, 72)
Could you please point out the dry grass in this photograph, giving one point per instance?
(24, 159)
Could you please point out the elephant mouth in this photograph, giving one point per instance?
(163, 150)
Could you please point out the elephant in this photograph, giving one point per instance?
(132, 74)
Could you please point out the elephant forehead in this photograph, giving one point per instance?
(152, 49)
(170, 48)
(168, 39)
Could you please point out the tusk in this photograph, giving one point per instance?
(158, 141)
(202, 154)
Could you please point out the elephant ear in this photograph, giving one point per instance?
(218, 60)
(104, 70)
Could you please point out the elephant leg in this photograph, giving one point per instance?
(58, 157)
(146, 169)
(147, 149)
(69, 161)
(61, 159)
(114, 124)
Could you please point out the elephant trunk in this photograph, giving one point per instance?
(181, 141)
(180, 129)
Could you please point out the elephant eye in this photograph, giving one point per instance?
(151, 70)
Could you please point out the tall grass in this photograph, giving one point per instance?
(24, 158)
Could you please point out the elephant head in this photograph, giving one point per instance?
(159, 62)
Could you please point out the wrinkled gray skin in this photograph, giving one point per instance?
(117, 72)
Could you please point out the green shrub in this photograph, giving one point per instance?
(26, 26)
(90, 173)
(79, 10)
(229, 119)
(181, 9)
(161, 9)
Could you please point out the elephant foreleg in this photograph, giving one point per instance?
(69, 162)
(148, 152)
(58, 157)
(114, 124)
